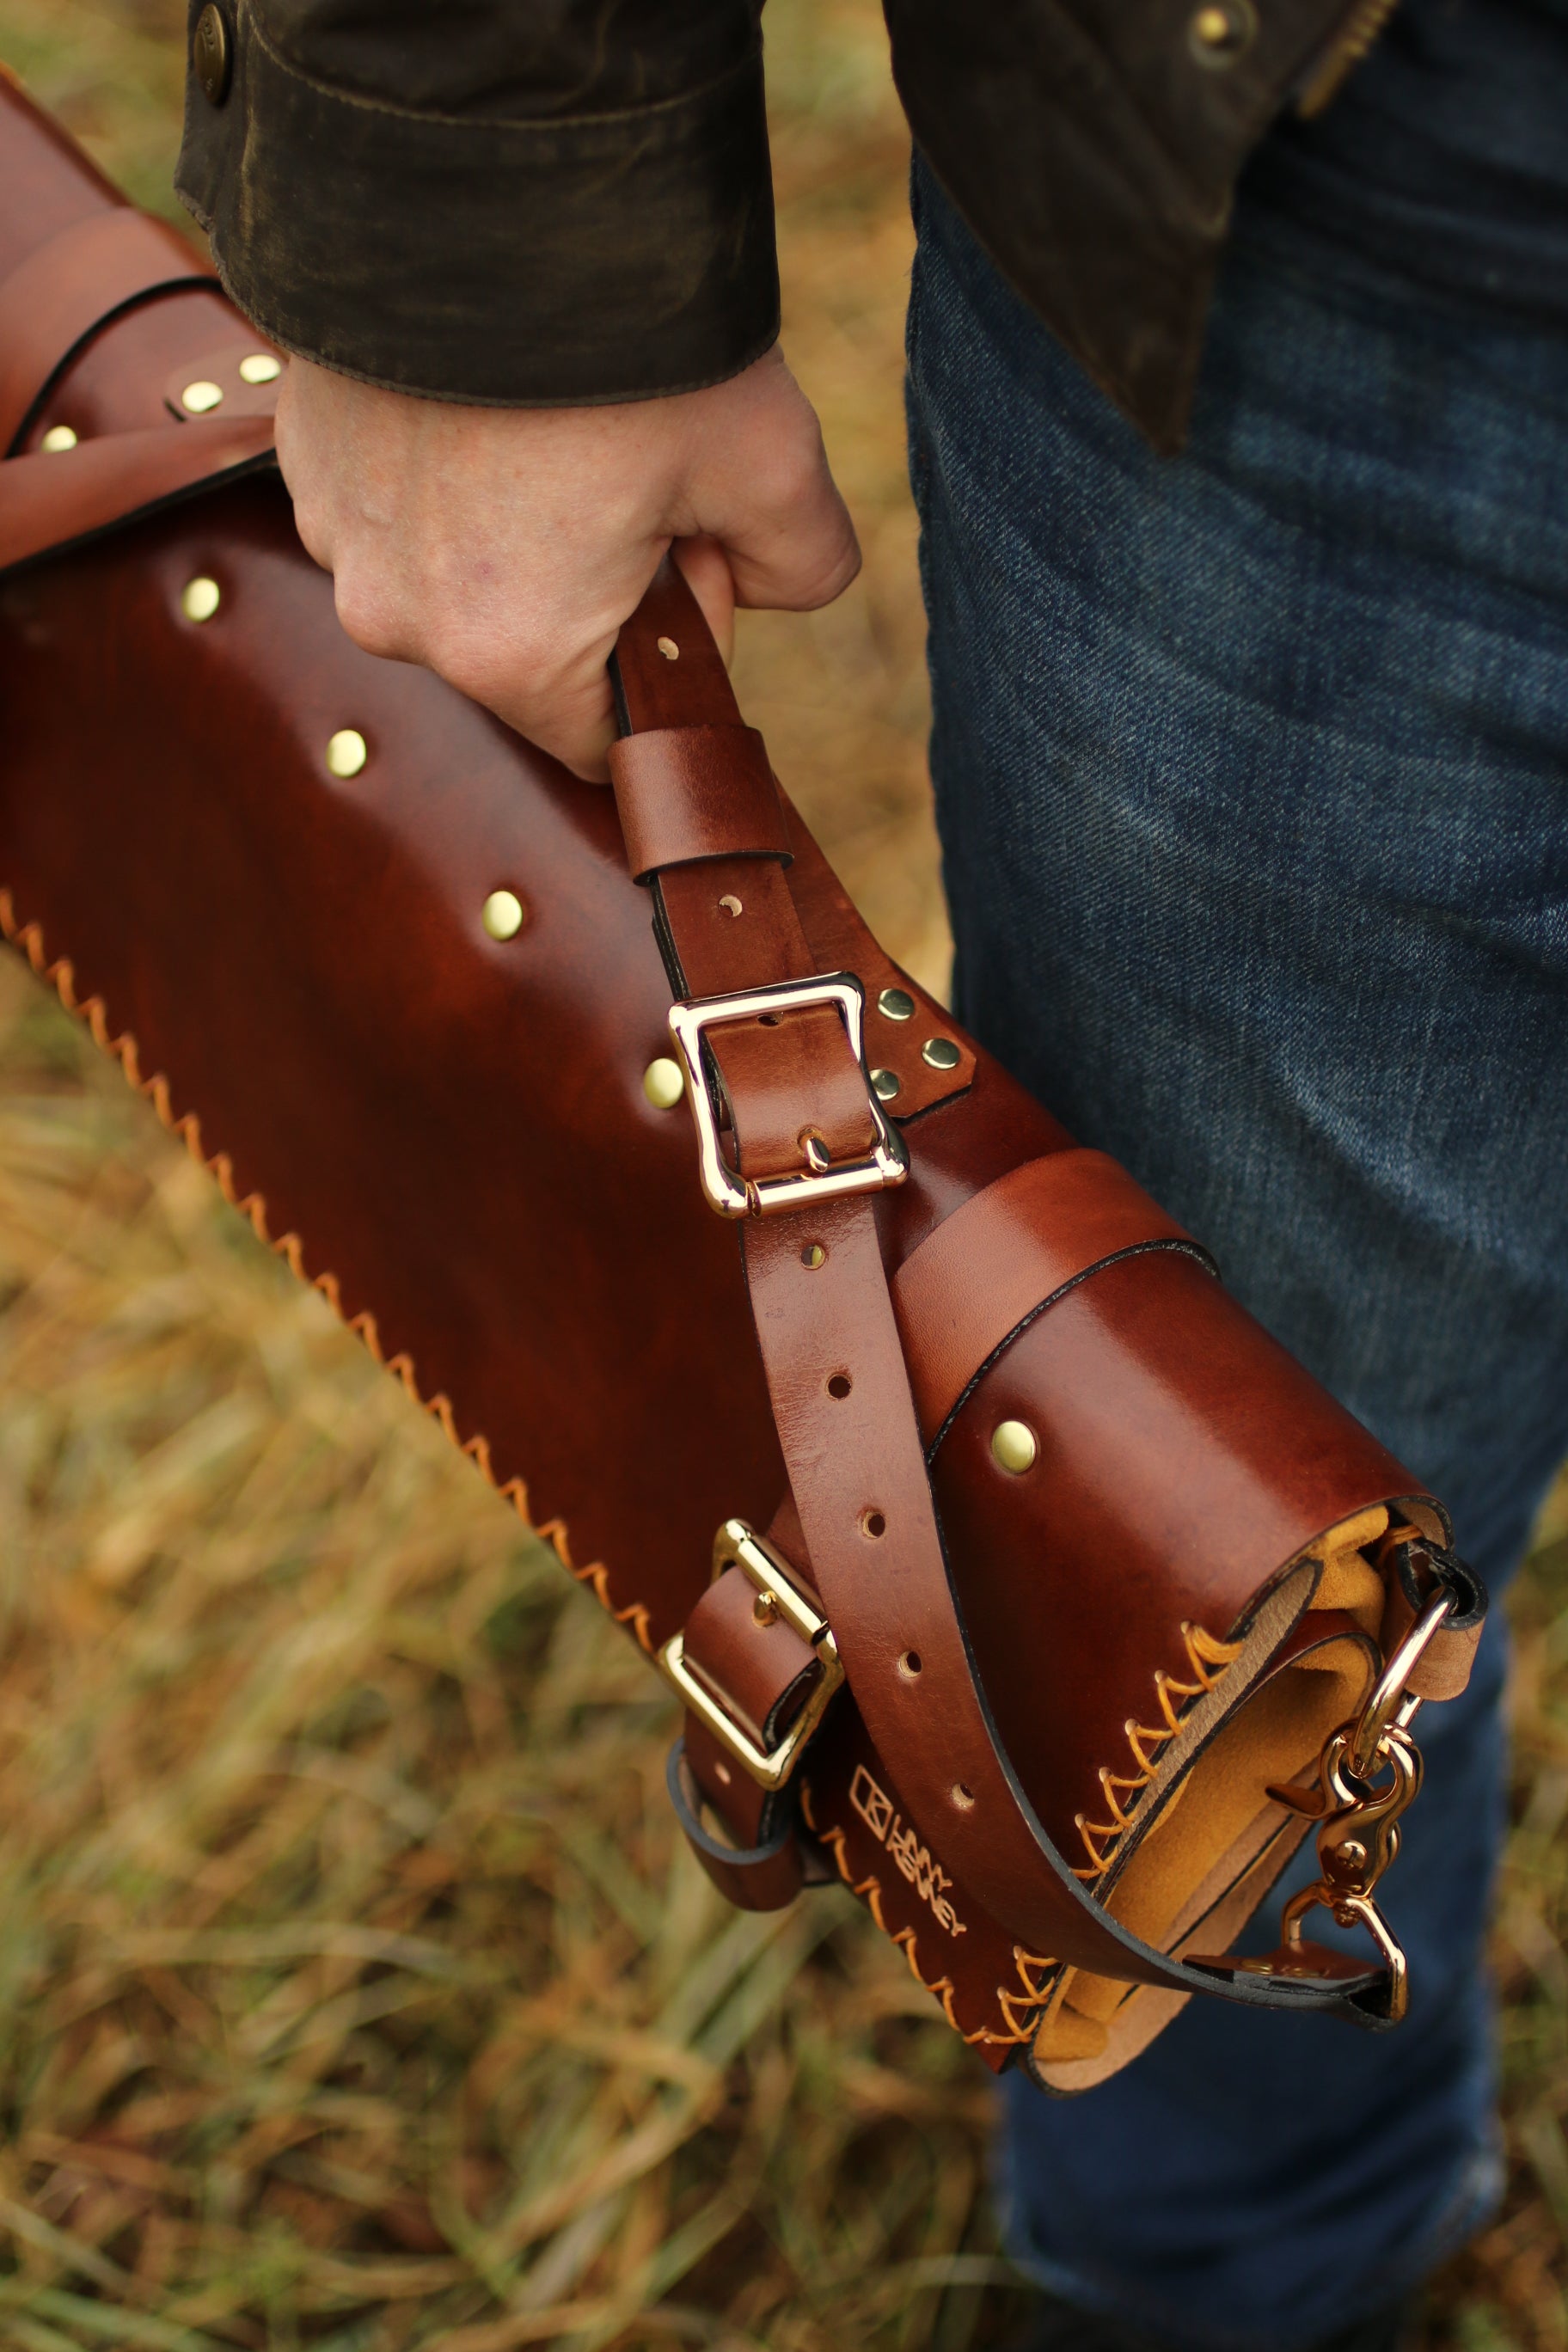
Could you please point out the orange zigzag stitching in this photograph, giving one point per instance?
(28, 939)
(1204, 1652)
(870, 1890)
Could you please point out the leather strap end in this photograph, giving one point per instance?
(687, 793)
(763, 1877)
(54, 502)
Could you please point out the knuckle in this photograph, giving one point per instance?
(369, 614)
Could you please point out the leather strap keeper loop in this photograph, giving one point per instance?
(69, 288)
(980, 1275)
(687, 794)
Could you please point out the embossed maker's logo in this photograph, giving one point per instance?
(925, 1875)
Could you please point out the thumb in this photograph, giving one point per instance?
(761, 489)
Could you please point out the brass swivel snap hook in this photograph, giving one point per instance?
(1358, 1838)
(1368, 1774)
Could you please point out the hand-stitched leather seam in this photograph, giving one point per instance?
(28, 939)
(1209, 1659)
(869, 1892)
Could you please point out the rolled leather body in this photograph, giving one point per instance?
(1169, 1606)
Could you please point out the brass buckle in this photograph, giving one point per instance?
(887, 1162)
(738, 1546)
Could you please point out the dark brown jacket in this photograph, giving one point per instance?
(543, 202)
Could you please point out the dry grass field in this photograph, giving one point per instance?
(353, 1989)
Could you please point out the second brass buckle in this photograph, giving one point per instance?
(738, 1546)
(734, 1195)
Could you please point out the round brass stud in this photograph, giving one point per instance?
(58, 437)
(261, 367)
(347, 752)
(896, 1005)
(765, 1609)
(663, 1083)
(1220, 30)
(202, 397)
(200, 598)
(501, 914)
(940, 1053)
(1015, 1445)
(212, 60)
(669, 649)
(887, 1083)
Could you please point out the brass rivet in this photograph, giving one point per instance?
(730, 903)
(940, 1053)
(765, 1609)
(261, 367)
(347, 752)
(501, 914)
(669, 649)
(201, 397)
(211, 59)
(896, 1005)
(887, 1083)
(813, 1256)
(1220, 30)
(1014, 1444)
(58, 437)
(200, 598)
(962, 1798)
(663, 1083)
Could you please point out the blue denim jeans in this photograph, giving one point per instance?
(1252, 776)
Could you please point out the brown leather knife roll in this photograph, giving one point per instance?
(1004, 1565)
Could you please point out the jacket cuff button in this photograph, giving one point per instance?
(212, 55)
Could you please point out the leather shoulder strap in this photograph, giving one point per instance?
(787, 1077)
(68, 288)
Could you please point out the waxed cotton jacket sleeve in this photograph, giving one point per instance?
(524, 201)
(549, 202)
